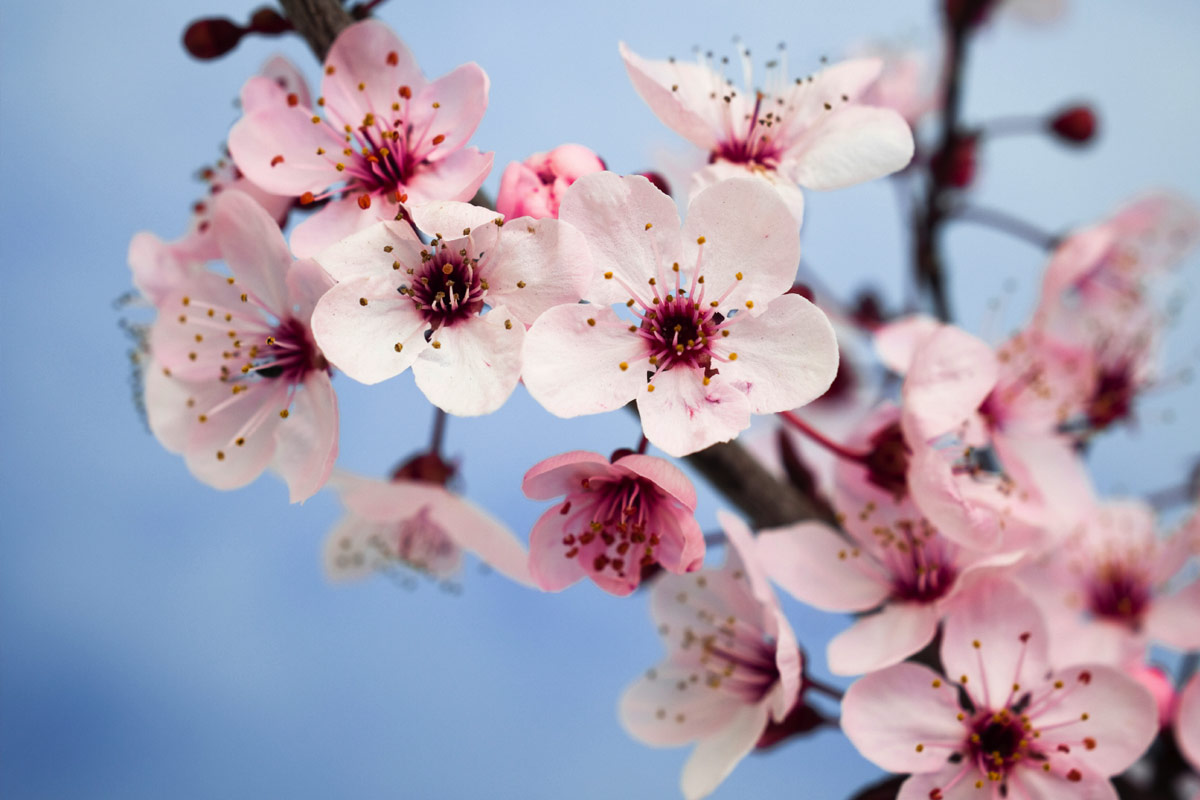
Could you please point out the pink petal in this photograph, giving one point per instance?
(786, 358)
(361, 340)
(522, 193)
(681, 415)
(307, 441)
(1174, 619)
(338, 220)
(549, 567)
(259, 138)
(573, 367)
(897, 341)
(458, 176)
(367, 252)
(472, 366)
(253, 247)
(656, 711)
(851, 145)
(663, 474)
(677, 93)
(1187, 722)
(1111, 711)
(362, 55)
(1054, 785)
(562, 474)
(741, 542)
(922, 785)
(448, 218)
(747, 231)
(472, 529)
(716, 755)
(846, 79)
(888, 713)
(260, 92)
(287, 77)
(307, 283)
(632, 230)
(451, 107)
(212, 455)
(815, 565)
(880, 640)
(781, 184)
(157, 267)
(170, 416)
(1012, 642)
(550, 258)
(950, 375)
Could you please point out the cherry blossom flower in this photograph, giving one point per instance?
(534, 187)
(1110, 589)
(733, 665)
(713, 335)
(813, 132)
(390, 137)
(616, 519)
(454, 310)
(238, 380)
(415, 525)
(1187, 722)
(903, 85)
(1001, 719)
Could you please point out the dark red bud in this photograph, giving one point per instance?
(867, 311)
(659, 182)
(269, 21)
(957, 168)
(967, 12)
(212, 37)
(1076, 125)
(426, 467)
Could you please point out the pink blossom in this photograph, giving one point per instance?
(455, 310)
(534, 187)
(615, 520)
(415, 525)
(903, 85)
(709, 334)
(1111, 588)
(1027, 731)
(813, 132)
(733, 665)
(1187, 722)
(238, 381)
(390, 137)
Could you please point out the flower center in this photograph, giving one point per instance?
(920, 561)
(998, 740)
(1112, 401)
(613, 525)
(887, 461)
(289, 353)
(1118, 593)
(678, 331)
(447, 287)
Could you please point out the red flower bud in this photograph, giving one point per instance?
(269, 21)
(426, 467)
(1076, 125)
(212, 37)
(659, 182)
(957, 167)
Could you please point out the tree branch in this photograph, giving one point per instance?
(318, 21)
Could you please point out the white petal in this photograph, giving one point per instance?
(472, 366)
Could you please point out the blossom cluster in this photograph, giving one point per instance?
(1004, 611)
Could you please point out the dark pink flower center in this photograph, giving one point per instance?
(446, 287)
(612, 525)
(1119, 593)
(678, 331)
(289, 353)
(887, 461)
(1112, 400)
(921, 562)
(998, 740)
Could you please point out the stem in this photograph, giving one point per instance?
(1014, 125)
(439, 432)
(642, 445)
(839, 450)
(822, 688)
(1007, 223)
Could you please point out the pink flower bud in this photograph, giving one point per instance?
(1076, 125)
(1154, 679)
(534, 187)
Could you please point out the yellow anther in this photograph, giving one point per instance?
(701, 240)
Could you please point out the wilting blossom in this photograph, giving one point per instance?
(389, 137)
(707, 335)
(892, 558)
(813, 132)
(733, 665)
(616, 520)
(456, 309)
(1187, 722)
(1111, 588)
(535, 187)
(415, 525)
(1003, 718)
(238, 381)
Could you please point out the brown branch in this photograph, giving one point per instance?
(729, 468)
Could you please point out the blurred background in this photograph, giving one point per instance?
(160, 638)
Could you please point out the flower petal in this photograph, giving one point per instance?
(373, 252)
(665, 709)
(562, 474)
(880, 640)
(681, 415)
(814, 565)
(1187, 722)
(213, 455)
(366, 66)
(539, 264)
(851, 145)
(781, 184)
(450, 107)
(549, 566)
(662, 473)
(1174, 619)
(458, 176)
(373, 340)
(716, 755)
(338, 220)
(260, 138)
(897, 341)
(472, 366)
(307, 441)
(950, 375)
(253, 247)
(677, 93)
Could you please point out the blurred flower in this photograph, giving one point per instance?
(615, 521)
(719, 337)
(1001, 717)
(390, 137)
(1187, 722)
(534, 187)
(733, 665)
(454, 310)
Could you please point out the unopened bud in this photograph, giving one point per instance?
(269, 21)
(212, 37)
(659, 182)
(957, 167)
(966, 13)
(427, 468)
(1075, 125)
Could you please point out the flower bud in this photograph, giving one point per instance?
(957, 167)
(534, 187)
(269, 21)
(425, 467)
(212, 37)
(1074, 125)
(659, 181)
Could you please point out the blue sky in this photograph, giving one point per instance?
(161, 638)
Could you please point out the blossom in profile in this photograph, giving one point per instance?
(535, 187)
(615, 520)
(238, 381)
(454, 310)
(733, 665)
(707, 333)
(389, 137)
(1003, 718)
(813, 132)
(415, 525)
